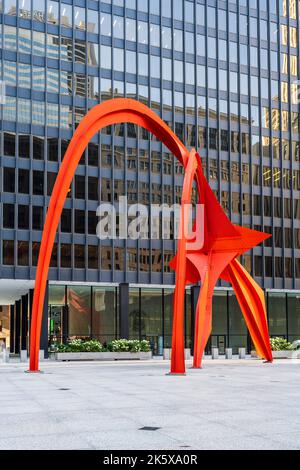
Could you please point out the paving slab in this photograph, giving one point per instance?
(238, 404)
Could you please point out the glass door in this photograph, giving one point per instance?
(55, 324)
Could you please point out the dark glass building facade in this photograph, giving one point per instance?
(224, 76)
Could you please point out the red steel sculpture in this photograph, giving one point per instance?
(223, 242)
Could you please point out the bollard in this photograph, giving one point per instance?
(187, 354)
(242, 353)
(23, 356)
(167, 354)
(5, 355)
(41, 355)
(228, 353)
(215, 353)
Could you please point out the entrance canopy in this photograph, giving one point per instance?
(12, 290)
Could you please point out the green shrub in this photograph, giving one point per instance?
(119, 345)
(78, 345)
(126, 345)
(280, 344)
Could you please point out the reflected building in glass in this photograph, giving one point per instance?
(224, 76)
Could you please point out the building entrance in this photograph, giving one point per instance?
(216, 341)
(4, 327)
(55, 323)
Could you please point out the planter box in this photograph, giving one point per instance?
(281, 354)
(103, 356)
(286, 354)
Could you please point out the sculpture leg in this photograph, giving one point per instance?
(252, 302)
(177, 357)
(203, 323)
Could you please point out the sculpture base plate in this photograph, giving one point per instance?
(174, 374)
(33, 371)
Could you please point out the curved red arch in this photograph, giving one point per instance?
(249, 295)
(109, 113)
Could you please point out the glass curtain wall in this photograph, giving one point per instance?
(104, 316)
(80, 303)
(293, 305)
(93, 312)
(237, 326)
(277, 314)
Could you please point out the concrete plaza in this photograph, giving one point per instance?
(226, 405)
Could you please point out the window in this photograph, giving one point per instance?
(92, 21)
(23, 253)
(79, 18)
(24, 146)
(65, 255)
(93, 193)
(9, 144)
(52, 15)
(38, 182)
(23, 217)
(79, 187)
(93, 260)
(38, 148)
(37, 218)
(66, 221)
(79, 221)
(23, 181)
(8, 252)
(79, 256)
(66, 15)
(9, 180)
(8, 216)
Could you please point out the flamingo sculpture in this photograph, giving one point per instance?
(223, 242)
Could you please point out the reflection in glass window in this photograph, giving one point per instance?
(189, 42)
(52, 46)
(143, 32)
(24, 110)
(52, 14)
(131, 62)
(93, 54)
(105, 23)
(118, 25)
(155, 35)
(92, 21)
(38, 113)
(38, 10)
(52, 80)
(38, 78)
(178, 40)
(66, 15)
(143, 64)
(118, 55)
(25, 9)
(24, 44)
(130, 30)
(105, 57)
(10, 73)
(79, 18)
(10, 7)
(155, 66)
